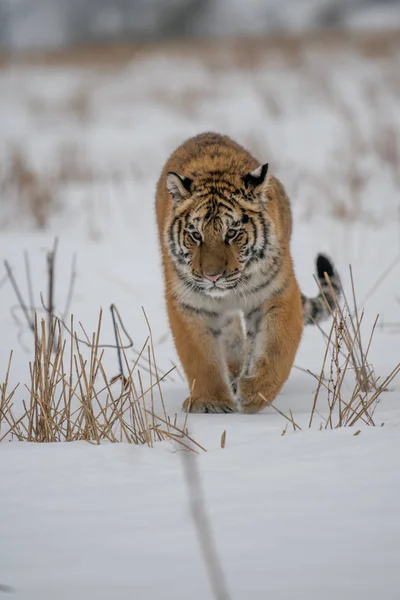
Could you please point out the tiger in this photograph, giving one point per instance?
(234, 306)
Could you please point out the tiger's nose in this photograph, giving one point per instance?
(212, 277)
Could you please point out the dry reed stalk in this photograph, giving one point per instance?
(155, 363)
(223, 439)
(71, 397)
(290, 419)
(26, 192)
(6, 399)
(350, 334)
(321, 377)
(17, 291)
(345, 352)
(345, 340)
(180, 432)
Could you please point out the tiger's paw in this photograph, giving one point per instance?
(208, 405)
(253, 407)
(250, 400)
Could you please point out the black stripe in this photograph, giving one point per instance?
(282, 288)
(214, 332)
(254, 229)
(252, 312)
(190, 284)
(179, 231)
(315, 310)
(259, 253)
(271, 276)
(212, 191)
(174, 246)
(265, 235)
(199, 311)
(228, 322)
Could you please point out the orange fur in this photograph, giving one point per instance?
(219, 358)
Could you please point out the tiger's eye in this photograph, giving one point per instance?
(231, 234)
(196, 236)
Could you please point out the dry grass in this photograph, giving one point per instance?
(243, 52)
(361, 158)
(34, 195)
(70, 397)
(26, 193)
(348, 390)
(347, 351)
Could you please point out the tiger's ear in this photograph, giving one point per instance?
(178, 186)
(257, 180)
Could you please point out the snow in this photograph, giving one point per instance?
(311, 514)
(293, 516)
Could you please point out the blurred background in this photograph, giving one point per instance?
(96, 94)
(27, 24)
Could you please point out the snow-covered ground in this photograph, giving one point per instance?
(311, 514)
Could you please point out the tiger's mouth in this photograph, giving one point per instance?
(218, 288)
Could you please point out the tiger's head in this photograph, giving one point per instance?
(219, 228)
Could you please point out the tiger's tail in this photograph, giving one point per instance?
(319, 308)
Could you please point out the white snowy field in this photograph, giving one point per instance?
(310, 514)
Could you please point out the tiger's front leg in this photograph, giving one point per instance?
(273, 334)
(234, 347)
(198, 346)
